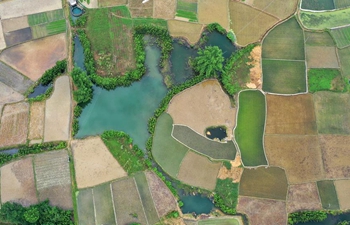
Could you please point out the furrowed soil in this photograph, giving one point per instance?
(13, 79)
(36, 122)
(214, 11)
(13, 24)
(318, 39)
(139, 9)
(93, 163)
(279, 8)
(164, 9)
(17, 183)
(263, 211)
(103, 204)
(18, 36)
(14, 124)
(343, 187)
(321, 57)
(85, 207)
(303, 197)
(8, 95)
(190, 31)
(2, 39)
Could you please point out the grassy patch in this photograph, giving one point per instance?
(51, 28)
(344, 56)
(279, 8)
(324, 20)
(103, 204)
(339, 4)
(167, 152)
(45, 17)
(328, 195)
(223, 221)
(318, 39)
(264, 183)
(226, 195)
(204, 146)
(186, 14)
(341, 36)
(317, 4)
(187, 6)
(285, 41)
(324, 80)
(85, 206)
(250, 127)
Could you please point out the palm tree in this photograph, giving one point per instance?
(209, 61)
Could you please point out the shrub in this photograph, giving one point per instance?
(226, 196)
(51, 74)
(306, 216)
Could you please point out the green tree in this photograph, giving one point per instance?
(209, 61)
(32, 215)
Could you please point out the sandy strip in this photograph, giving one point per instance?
(2, 38)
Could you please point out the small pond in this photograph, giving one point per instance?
(196, 204)
(10, 151)
(331, 220)
(216, 132)
(217, 39)
(78, 53)
(38, 90)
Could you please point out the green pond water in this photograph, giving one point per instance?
(331, 220)
(196, 204)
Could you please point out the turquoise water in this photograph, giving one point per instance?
(126, 108)
(217, 39)
(331, 220)
(78, 53)
(196, 204)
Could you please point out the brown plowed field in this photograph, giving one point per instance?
(139, 9)
(190, 31)
(321, 57)
(279, 8)
(8, 95)
(214, 11)
(164, 9)
(300, 156)
(290, 115)
(303, 197)
(37, 118)
(14, 24)
(343, 187)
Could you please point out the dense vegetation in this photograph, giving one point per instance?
(325, 79)
(306, 216)
(41, 213)
(84, 91)
(209, 62)
(226, 195)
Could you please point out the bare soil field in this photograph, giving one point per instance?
(93, 163)
(164, 9)
(199, 171)
(263, 211)
(234, 173)
(8, 95)
(279, 8)
(57, 113)
(17, 182)
(36, 121)
(214, 11)
(109, 3)
(190, 31)
(342, 187)
(35, 57)
(13, 79)
(12, 24)
(52, 177)
(249, 24)
(14, 124)
(139, 9)
(303, 197)
(290, 115)
(255, 72)
(300, 156)
(321, 57)
(208, 105)
(336, 155)
(18, 36)
(163, 199)
(2, 38)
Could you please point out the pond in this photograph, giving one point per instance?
(10, 151)
(78, 53)
(331, 220)
(217, 39)
(38, 90)
(196, 204)
(216, 132)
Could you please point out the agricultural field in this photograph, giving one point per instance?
(332, 112)
(290, 115)
(93, 163)
(47, 29)
(339, 4)
(13, 24)
(219, 221)
(208, 105)
(14, 124)
(17, 182)
(24, 57)
(303, 197)
(110, 3)
(36, 121)
(279, 8)
(190, 31)
(272, 183)
(318, 4)
(140, 9)
(234, 173)
(14, 79)
(325, 80)
(187, 10)
(342, 187)
(104, 213)
(263, 211)
(341, 36)
(2, 39)
(85, 207)
(18, 36)
(321, 57)
(214, 11)
(344, 57)
(299, 155)
(328, 194)
(45, 17)
(324, 20)
(249, 24)
(336, 155)
(197, 170)
(164, 9)
(318, 39)
(8, 95)
(250, 128)
(57, 111)
(199, 143)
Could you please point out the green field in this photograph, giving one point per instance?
(341, 36)
(187, 6)
(226, 194)
(263, 182)
(223, 221)
(85, 207)
(43, 30)
(324, 20)
(204, 146)
(318, 39)
(45, 17)
(103, 204)
(167, 152)
(328, 194)
(186, 14)
(285, 41)
(284, 77)
(341, 3)
(325, 80)
(250, 127)
(344, 58)
(317, 4)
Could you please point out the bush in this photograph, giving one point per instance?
(322, 79)
(209, 62)
(84, 93)
(306, 216)
(227, 164)
(226, 196)
(51, 74)
(215, 26)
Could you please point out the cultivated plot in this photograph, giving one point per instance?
(339, 4)
(303, 197)
(140, 8)
(36, 121)
(321, 57)
(250, 128)
(18, 36)
(47, 29)
(328, 195)
(344, 57)
(341, 36)
(85, 207)
(213, 149)
(199, 171)
(8, 95)
(318, 4)
(271, 182)
(263, 211)
(249, 24)
(2, 39)
(279, 8)
(186, 10)
(332, 112)
(57, 111)
(190, 31)
(45, 17)
(219, 221)
(110, 3)
(13, 79)
(343, 187)
(336, 155)
(299, 155)
(93, 163)
(13, 24)
(104, 213)
(17, 183)
(318, 39)
(290, 115)
(164, 9)
(325, 80)
(214, 11)
(324, 20)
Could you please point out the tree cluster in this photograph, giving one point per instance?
(306, 216)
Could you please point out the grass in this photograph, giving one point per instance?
(344, 58)
(45, 17)
(85, 206)
(167, 152)
(223, 221)
(226, 194)
(283, 77)
(341, 36)
(204, 146)
(318, 39)
(317, 4)
(250, 127)
(187, 6)
(324, 20)
(43, 30)
(103, 204)
(339, 4)
(285, 41)
(328, 194)
(263, 182)
(187, 14)
(325, 80)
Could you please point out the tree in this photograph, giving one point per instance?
(209, 61)
(32, 215)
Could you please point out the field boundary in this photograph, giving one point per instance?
(93, 201)
(138, 194)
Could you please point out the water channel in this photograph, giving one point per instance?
(331, 220)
